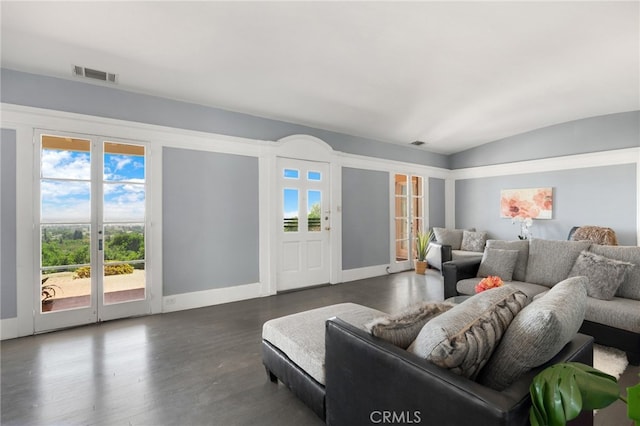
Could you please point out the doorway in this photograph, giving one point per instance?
(408, 217)
(303, 223)
(91, 234)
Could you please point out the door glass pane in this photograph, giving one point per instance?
(401, 207)
(314, 176)
(402, 250)
(401, 229)
(65, 158)
(291, 174)
(65, 258)
(401, 185)
(124, 163)
(314, 210)
(124, 202)
(124, 242)
(65, 201)
(416, 186)
(290, 210)
(124, 282)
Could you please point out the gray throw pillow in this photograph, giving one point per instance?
(605, 275)
(498, 262)
(473, 241)
(629, 289)
(463, 338)
(450, 237)
(537, 333)
(402, 328)
(519, 272)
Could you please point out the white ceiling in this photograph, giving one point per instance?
(453, 74)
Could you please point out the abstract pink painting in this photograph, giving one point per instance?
(536, 203)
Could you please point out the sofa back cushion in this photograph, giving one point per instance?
(450, 237)
(463, 338)
(630, 287)
(551, 261)
(537, 333)
(519, 272)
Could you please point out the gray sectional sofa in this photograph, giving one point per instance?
(540, 264)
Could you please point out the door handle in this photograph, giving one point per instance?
(327, 228)
(100, 244)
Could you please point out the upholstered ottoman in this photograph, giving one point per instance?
(293, 349)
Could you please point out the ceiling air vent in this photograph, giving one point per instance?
(95, 74)
(417, 143)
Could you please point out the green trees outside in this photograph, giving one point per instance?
(70, 245)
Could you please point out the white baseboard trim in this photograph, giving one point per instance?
(362, 273)
(217, 296)
(8, 328)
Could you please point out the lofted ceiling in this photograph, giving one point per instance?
(452, 74)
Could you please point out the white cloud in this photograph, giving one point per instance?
(65, 164)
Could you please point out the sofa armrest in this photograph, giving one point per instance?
(456, 270)
(367, 377)
(438, 254)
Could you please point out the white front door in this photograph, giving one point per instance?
(303, 224)
(91, 234)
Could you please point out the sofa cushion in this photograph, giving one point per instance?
(473, 241)
(630, 287)
(519, 272)
(550, 261)
(619, 313)
(463, 338)
(498, 262)
(537, 333)
(301, 336)
(450, 237)
(402, 328)
(605, 275)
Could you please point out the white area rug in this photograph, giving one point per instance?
(610, 360)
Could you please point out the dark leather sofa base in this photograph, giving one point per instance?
(368, 378)
(302, 385)
(615, 337)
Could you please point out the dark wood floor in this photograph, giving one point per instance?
(195, 367)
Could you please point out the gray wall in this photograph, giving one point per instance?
(602, 133)
(365, 218)
(436, 203)
(74, 96)
(8, 265)
(210, 220)
(601, 196)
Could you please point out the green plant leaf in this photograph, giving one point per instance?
(633, 403)
(560, 392)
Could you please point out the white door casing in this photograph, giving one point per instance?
(305, 257)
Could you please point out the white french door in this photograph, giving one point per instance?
(408, 216)
(303, 224)
(91, 233)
